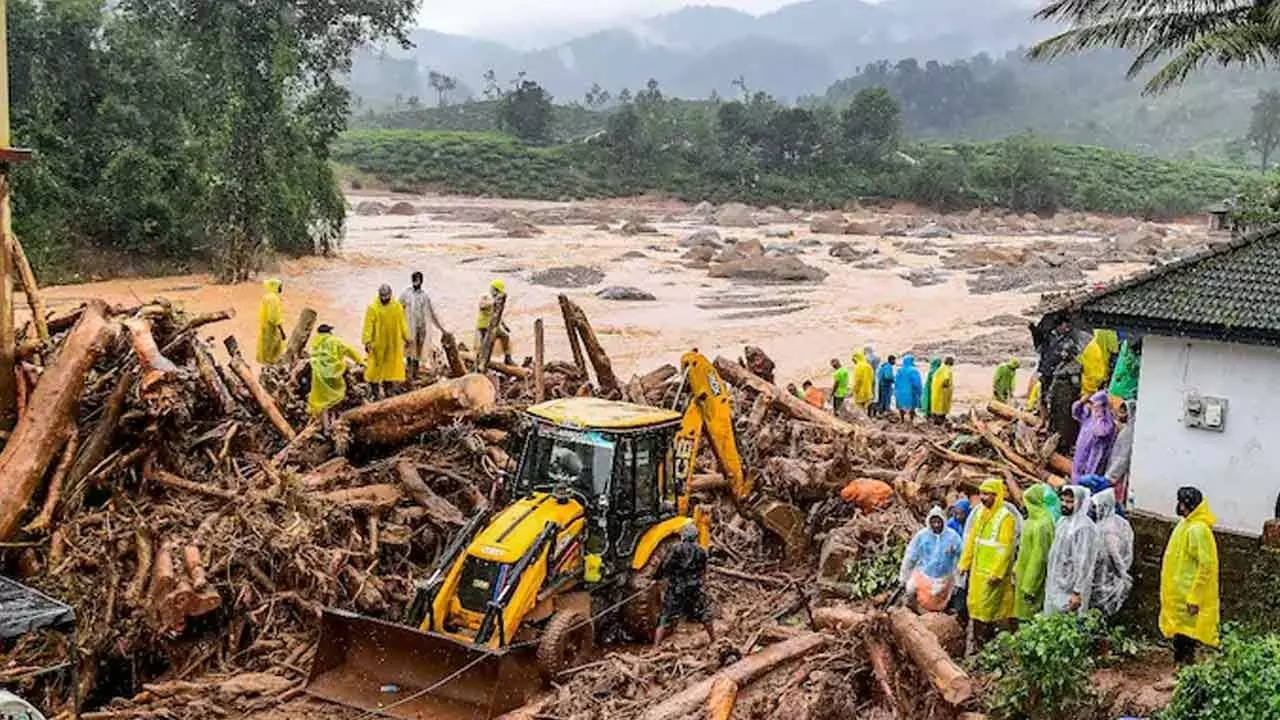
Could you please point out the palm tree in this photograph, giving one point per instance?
(1177, 35)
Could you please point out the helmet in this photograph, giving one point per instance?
(498, 286)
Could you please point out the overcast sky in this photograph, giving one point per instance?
(504, 17)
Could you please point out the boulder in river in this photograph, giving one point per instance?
(831, 223)
(700, 254)
(517, 226)
(750, 248)
(629, 294)
(371, 208)
(931, 231)
(704, 237)
(638, 228)
(849, 252)
(403, 208)
(575, 276)
(780, 233)
(785, 269)
(735, 215)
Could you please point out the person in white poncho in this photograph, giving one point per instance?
(1111, 579)
(1068, 586)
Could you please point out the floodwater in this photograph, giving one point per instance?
(802, 326)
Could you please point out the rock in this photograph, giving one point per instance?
(549, 217)
(780, 233)
(575, 276)
(603, 227)
(784, 249)
(735, 215)
(766, 269)
(705, 237)
(849, 253)
(632, 215)
(1052, 259)
(922, 277)
(371, 208)
(831, 223)
(879, 263)
(632, 255)
(917, 247)
(864, 228)
(704, 209)
(931, 231)
(1087, 263)
(625, 294)
(403, 208)
(1139, 240)
(516, 225)
(728, 255)
(811, 242)
(700, 254)
(750, 248)
(638, 228)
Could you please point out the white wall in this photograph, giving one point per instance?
(1238, 470)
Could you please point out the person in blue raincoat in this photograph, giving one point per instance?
(928, 569)
(908, 388)
(884, 385)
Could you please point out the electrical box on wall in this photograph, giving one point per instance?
(1205, 413)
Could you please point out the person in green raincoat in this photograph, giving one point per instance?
(1033, 553)
(328, 372)
(926, 400)
(988, 561)
(1124, 381)
(1002, 383)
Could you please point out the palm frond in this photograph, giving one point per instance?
(1168, 31)
(1254, 45)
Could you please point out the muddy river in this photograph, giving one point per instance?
(802, 326)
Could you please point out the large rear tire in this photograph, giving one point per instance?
(640, 615)
(566, 642)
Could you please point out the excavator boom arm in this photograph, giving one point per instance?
(710, 411)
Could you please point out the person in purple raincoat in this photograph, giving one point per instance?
(1097, 433)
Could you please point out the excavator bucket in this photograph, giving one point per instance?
(372, 665)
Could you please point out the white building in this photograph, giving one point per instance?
(1209, 393)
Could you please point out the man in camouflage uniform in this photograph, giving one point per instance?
(684, 569)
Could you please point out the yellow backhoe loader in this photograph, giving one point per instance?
(601, 492)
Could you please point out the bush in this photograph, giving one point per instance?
(1241, 683)
(1042, 671)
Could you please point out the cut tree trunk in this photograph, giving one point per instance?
(36, 440)
(96, 446)
(158, 367)
(398, 419)
(1061, 463)
(208, 370)
(539, 358)
(926, 652)
(575, 344)
(204, 599)
(300, 335)
(485, 351)
(514, 371)
(724, 693)
(739, 376)
(883, 668)
(843, 619)
(377, 498)
(29, 288)
(443, 512)
(687, 702)
(57, 485)
(452, 356)
(1008, 412)
(605, 378)
(242, 371)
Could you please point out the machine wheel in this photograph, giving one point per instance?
(640, 615)
(565, 643)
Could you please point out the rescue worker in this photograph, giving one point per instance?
(1122, 452)
(989, 543)
(1124, 381)
(329, 356)
(384, 337)
(1069, 582)
(1005, 377)
(794, 391)
(271, 337)
(842, 385)
(884, 385)
(959, 515)
(1111, 580)
(864, 382)
(1096, 436)
(1033, 396)
(926, 399)
(1095, 361)
(929, 565)
(943, 386)
(908, 387)
(1033, 553)
(1189, 579)
(417, 310)
(484, 321)
(684, 569)
(1059, 371)
(813, 395)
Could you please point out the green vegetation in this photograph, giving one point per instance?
(568, 122)
(1240, 683)
(1042, 671)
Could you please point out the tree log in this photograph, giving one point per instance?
(514, 371)
(398, 419)
(443, 512)
(926, 652)
(539, 358)
(300, 335)
(204, 599)
(36, 440)
(485, 351)
(101, 439)
(452, 356)
(883, 667)
(157, 366)
(739, 376)
(656, 378)
(1062, 464)
(208, 370)
(169, 480)
(687, 702)
(1008, 412)
(724, 692)
(56, 486)
(605, 378)
(193, 323)
(839, 617)
(242, 371)
(905, 484)
(144, 551)
(377, 498)
(575, 343)
(29, 288)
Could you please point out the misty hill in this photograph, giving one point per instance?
(694, 52)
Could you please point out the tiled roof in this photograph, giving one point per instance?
(1230, 292)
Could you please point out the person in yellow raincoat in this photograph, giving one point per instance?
(988, 560)
(1033, 396)
(942, 390)
(1189, 579)
(502, 334)
(864, 382)
(328, 372)
(1095, 361)
(271, 336)
(385, 333)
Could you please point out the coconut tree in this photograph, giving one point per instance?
(1177, 36)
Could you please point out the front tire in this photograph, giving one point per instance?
(566, 642)
(641, 614)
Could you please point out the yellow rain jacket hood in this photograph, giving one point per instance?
(270, 323)
(864, 380)
(1096, 359)
(988, 557)
(328, 372)
(1189, 576)
(385, 333)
